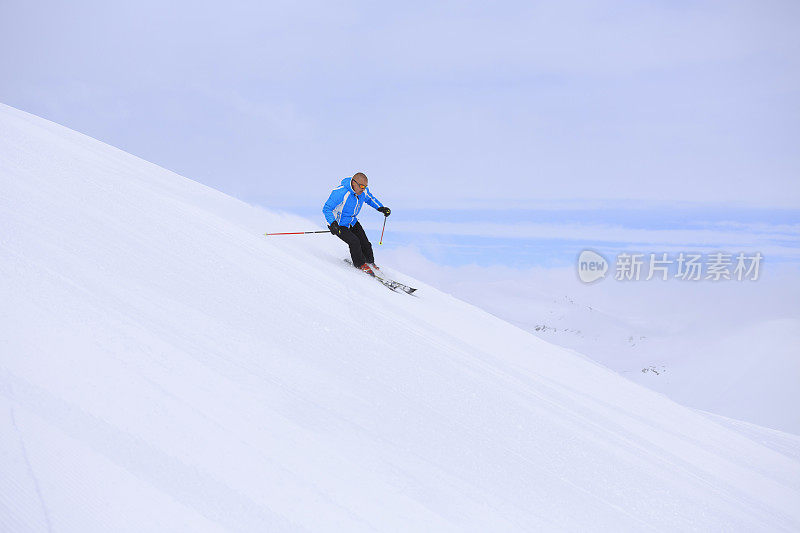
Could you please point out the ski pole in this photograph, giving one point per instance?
(299, 232)
(384, 229)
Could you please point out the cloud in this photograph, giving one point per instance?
(775, 242)
(466, 103)
(741, 234)
(496, 286)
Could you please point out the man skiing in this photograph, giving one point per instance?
(341, 211)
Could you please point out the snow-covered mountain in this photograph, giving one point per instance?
(165, 367)
(731, 349)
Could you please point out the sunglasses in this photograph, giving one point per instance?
(362, 187)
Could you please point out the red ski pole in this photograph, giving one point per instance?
(384, 229)
(299, 232)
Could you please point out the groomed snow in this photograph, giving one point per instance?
(166, 367)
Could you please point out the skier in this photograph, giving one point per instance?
(341, 211)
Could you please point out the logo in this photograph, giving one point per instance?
(591, 266)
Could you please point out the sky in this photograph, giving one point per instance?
(510, 133)
(451, 105)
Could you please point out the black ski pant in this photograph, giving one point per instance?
(360, 247)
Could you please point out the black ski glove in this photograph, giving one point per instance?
(385, 210)
(334, 227)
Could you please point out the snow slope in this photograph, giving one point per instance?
(163, 366)
(750, 371)
(731, 349)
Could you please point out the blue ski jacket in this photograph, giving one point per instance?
(343, 204)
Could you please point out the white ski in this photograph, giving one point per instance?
(390, 283)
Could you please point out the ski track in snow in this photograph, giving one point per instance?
(45, 514)
(172, 369)
(19, 488)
